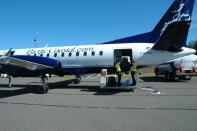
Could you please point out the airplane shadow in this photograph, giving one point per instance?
(84, 88)
(24, 89)
(97, 91)
(36, 88)
(32, 87)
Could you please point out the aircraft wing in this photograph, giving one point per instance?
(29, 62)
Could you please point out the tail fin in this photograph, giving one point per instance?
(173, 37)
(179, 11)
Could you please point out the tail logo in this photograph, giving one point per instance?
(178, 15)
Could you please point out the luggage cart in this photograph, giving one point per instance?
(109, 82)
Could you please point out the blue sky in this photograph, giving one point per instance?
(71, 22)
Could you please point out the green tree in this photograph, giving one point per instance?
(193, 45)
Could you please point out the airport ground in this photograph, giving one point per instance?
(84, 107)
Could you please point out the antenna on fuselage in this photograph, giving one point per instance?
(117, 36)
(36, 40)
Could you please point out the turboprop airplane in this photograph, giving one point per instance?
(164, 43)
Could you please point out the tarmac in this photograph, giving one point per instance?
(153, 106)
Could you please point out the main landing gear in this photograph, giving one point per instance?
(45, 87)
(77, 79)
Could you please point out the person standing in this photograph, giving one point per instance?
(133, 71)
(118, 71)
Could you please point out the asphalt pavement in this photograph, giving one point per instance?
(153, 106)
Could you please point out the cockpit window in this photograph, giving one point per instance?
(12, 53)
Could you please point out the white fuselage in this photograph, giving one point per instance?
(102, 55)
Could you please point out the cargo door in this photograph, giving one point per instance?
(120, 53)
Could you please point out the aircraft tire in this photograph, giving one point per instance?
(44, 90)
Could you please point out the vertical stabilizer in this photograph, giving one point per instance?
(180, 10)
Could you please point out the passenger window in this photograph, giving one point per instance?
(41, 55)
(62, 55)
(70, 54)
(34, 54)
(93, 53)
(85, 53)
(101, 53)
(55, 55)
(48, 55)
(77, 54)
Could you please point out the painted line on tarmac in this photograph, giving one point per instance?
(102, 107)
(152, 91)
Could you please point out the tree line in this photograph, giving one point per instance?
(193, 45)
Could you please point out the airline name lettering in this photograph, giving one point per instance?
(56, 50)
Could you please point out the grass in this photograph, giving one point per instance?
(147, 75)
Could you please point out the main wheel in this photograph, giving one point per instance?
(45, 89)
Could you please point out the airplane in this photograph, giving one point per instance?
(164, 43)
